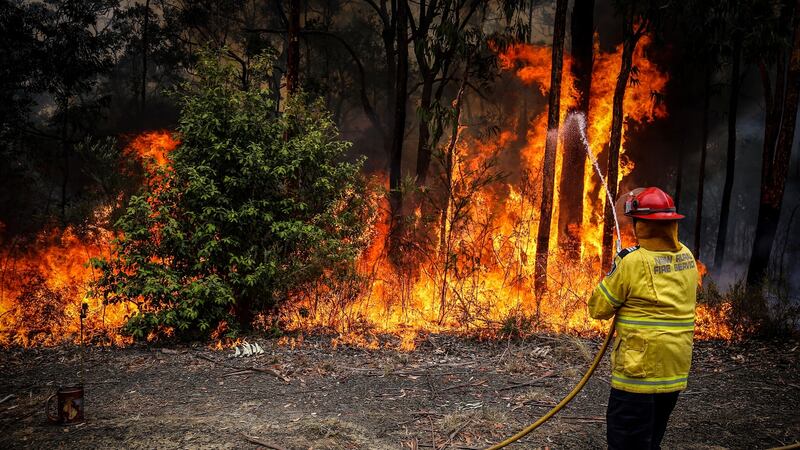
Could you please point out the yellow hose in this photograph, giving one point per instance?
(787, 447)
(566, 399)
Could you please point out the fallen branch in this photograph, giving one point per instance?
(243, 370)
(455, 433)
(530, 383)
(468, 384)
(257, 441)
(7, 397)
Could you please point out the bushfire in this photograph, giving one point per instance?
(478, 279)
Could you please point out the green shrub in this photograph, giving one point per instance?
(256, 205)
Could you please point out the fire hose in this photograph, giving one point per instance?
(566, 399)
(581, 124)
(578, 387)
(598, 357)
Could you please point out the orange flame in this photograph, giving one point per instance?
(490, 284)
(475, 273)
(45, 281)
(43, 286)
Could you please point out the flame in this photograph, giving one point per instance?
(470, 269)
(152, 148)
(45, 281)
(44, 284)
(490, 284)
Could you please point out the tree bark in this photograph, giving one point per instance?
(617, 118)
(424, 142)
(730, 168)
(389, 34)
(398, 127)
(65, 156)
(145, 32)
(293, 53)
(570, 216)
(445, 231)
(551, 145)
(698, 220)
(773, 181)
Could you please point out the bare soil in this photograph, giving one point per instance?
(450, 393)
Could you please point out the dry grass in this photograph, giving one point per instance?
(332, 433)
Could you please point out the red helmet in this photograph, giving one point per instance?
(651, 204)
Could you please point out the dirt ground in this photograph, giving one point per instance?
(449, 393)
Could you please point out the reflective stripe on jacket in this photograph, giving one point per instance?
(653, 294)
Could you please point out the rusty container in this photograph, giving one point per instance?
(69, 402)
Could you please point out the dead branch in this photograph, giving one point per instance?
(467, 384)
(530, 383)
(242, 370)
(257, 441)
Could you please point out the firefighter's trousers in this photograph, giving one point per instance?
(638, 421)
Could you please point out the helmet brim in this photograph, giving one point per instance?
(658, 216)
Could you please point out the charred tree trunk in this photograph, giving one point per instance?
(629, 45)
(398, 127)
(551, 145)
(698, 220)
(424, 143)
(676, 196)
(293, 53)
(446, 221)
(776, 158)
(730, 167)
(570, 215)
(145, 32)
(389, 34)
(65, 156)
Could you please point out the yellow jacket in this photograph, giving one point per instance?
(653, 294)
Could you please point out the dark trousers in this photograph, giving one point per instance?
(637, 421)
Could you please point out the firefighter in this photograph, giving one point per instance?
(651, 289)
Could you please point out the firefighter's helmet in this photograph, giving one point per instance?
(650, 204)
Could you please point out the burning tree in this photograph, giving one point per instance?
(252, 207)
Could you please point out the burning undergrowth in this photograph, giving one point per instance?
(463, 260)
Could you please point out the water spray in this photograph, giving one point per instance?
(581, 125)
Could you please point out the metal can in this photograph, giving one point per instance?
(69, 402)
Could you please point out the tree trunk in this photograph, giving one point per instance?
(388, 35)
(145, 31)
(551, 145)
(424, 145)
(529, 37)
(293, 54)
(698, 220)
(445, 231)
(65, 151)
(398, 127)
(676, 196)
(570, 215)
(617, 118)
(773, 184)
(727, 190)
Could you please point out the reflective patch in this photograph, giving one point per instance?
(688, 324)
(649, 382)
